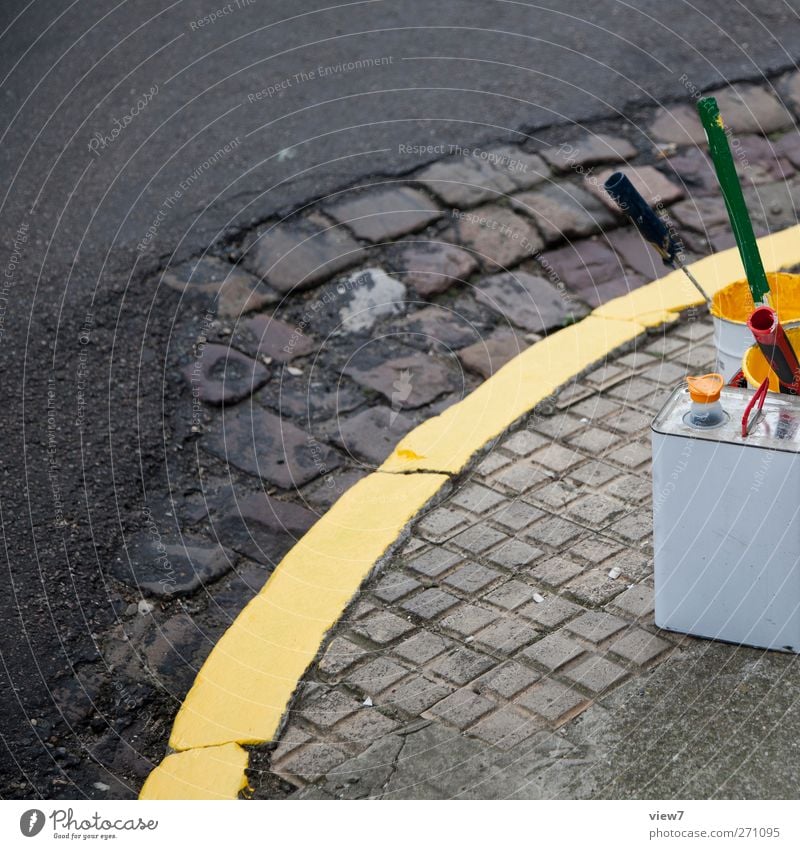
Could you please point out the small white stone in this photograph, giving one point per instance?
(367, 702)
(538, 598)
(615, 573)
(469, 639)
(144, 607)
(98, 785)
(294, 371)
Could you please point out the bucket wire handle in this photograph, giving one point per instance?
(759, 396)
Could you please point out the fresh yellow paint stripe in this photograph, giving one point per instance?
(215, 773)
(242, 690)
(245, 685)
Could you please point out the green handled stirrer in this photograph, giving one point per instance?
(734, 200)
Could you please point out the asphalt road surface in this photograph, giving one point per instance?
(136, 131)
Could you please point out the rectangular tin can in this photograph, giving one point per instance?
(726, 522)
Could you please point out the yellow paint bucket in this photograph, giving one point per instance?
(754, 363)
(731, 307)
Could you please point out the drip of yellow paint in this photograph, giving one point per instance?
(408, 454)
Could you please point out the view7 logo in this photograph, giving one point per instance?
(31, 822)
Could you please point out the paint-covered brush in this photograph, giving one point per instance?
(626, 196)
(728, 179)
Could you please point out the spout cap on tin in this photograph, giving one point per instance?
(706, 388)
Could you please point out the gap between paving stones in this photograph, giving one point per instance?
(242, 692)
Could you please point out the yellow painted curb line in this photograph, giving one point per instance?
(242, 692)
(214, 773)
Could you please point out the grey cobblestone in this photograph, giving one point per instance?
(636, 601)
(520, 477)
(595, 511)
(365, 727)
(596, 626)
(442, 524)
(524, 442)
(376, 215)
(516, 515)
(557, 458)
(510, 594)
(596, 674)
(461, 666)
(462, 708)
(595, 549)
(477, 498)
(554, 532)
(471, 578)
(416, 694)
(595, 587)
(639, 647)
(429, 603)
(382, 627)
(555, 571)
(328, 707)
(422, 647)
(435, 561)
(515, 553)
(507, 635)
(553, 651)
(507, 680)
(376, 676)
(551, 612)
(395, 586)
(477, 538)
(340, 655)
(468, 619)
(553, 701)
(593, 473)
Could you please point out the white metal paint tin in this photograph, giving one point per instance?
(726, 522)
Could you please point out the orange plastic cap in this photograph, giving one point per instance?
(706, 388)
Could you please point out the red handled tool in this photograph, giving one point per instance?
(776, 347)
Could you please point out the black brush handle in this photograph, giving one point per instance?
(628, 199)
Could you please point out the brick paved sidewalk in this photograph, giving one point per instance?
(518, 615)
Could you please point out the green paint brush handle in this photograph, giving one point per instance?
(734, 199)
